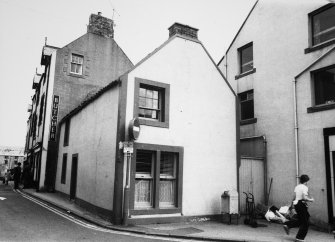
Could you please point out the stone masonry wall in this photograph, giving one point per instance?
(100, 25)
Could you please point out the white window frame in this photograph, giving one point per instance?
(158, 109)
(77, 61)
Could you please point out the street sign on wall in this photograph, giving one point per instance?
(54, 116)
(134, 129)
(128, 147)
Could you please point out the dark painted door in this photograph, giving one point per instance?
(74, 169)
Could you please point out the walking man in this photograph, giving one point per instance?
(301, 207)
(17, 175)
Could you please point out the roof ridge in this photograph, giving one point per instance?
(90, 99)
(239, 30)
(315, 61)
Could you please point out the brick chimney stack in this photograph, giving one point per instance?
(184, 30)
(100, 25)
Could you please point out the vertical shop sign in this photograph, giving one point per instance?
(54, 115)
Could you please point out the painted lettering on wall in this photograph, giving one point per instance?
(54, 115)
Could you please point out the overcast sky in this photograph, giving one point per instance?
(141, 26)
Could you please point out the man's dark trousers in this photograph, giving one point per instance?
(302, 222)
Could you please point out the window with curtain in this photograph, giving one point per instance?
(144, 179)
(157, 181)
(167, 182)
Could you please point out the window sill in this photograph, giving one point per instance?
(151, 211)
(320, 108)
(248, 121)
(76, 75)
(245, 74)
(319, 46)
(154, 123)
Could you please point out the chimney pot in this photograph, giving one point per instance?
(184, 30)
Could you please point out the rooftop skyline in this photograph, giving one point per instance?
(140, 27)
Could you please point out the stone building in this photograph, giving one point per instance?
(9, 158)
(71, 74)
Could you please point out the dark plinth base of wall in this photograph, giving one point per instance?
(107, 214)
(101, 212)
(173, 219)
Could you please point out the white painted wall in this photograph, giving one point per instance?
(202, 120)
(279, 32)
(311, 145)
(93, 138)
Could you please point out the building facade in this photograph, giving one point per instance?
(70, 75)
(281, 65)
(9, 158)
(183, 111)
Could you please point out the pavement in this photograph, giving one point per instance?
(197, 229)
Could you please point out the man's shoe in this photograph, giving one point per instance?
(287, 229)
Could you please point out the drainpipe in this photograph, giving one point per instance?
(296, 131)
(265, 170)
(126, 190)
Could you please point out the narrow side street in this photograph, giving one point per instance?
(30, 216)
(24, 220)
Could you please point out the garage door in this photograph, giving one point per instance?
(251, 180)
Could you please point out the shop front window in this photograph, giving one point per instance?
(157, 177)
